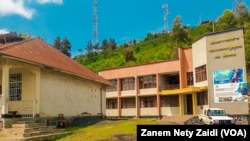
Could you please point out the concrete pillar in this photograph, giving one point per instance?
(181, 104)
(119, 97)
(36, 109)
(194, 100)
(137, 99)
(5, 89)
(158, 94)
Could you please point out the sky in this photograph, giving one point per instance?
(121, 20)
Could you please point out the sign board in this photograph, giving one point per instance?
(229, 86)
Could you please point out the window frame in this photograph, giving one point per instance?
(148, 102)
(190, 78)
(202, 98)
(201, 73)
(128, 84)
(111, 103)
(128, 103)
(146, 82)
(170, 101)
(113, 86)
(15, 87)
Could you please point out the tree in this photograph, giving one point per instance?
(108, 45)
(96, 47)
(112, 43)
(241, 10)
(179, 34)
(105, 45)
(90, 47)
(129, 55)
(63, 46)
(148, 36)
(57, 43)
(66, 47)
(242, 14)
(226, 21)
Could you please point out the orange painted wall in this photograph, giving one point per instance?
(162, 67)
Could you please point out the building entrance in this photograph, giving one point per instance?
(188, 104)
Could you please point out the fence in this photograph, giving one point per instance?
(25, 108)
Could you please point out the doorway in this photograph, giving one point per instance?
(189, 104)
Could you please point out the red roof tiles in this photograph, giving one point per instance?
(37, 51)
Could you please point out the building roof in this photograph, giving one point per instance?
(219, 32)
(4, 38)
(40, 53)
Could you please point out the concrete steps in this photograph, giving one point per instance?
(31, 131)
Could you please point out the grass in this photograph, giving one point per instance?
(104, 131)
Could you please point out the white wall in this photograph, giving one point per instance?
(62, 93)
(221, 50)
(128, 93)
(148, 111)
(111, 112)
(148, 91)
(128, 112)
(111, 94)
(170, 111)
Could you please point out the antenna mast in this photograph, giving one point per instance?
(95, 23)
(165, 18)
(235, 5)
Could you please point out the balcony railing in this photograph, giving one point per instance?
(24, 107)
(170, 87)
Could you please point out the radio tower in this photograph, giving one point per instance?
(235, 5)
(95, 23)
(165, 18)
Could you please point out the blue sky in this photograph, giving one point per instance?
(121, 20)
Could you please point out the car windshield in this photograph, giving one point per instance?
(217, 113)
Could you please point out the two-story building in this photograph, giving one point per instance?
(202, 76)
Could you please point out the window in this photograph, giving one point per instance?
(128, 84)
(148, 101)
(111, 104)
(201, 73)
(15, 87)
(190, 81)
(170, 101)
(147, 82)
(113, 87)
(202, 98)
(128, 103)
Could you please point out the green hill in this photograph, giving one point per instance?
(162, 46)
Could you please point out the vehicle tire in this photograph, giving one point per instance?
(201, 122)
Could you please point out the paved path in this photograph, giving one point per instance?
(176, 119)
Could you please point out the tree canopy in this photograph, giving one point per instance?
(63, 45)
(163, 46)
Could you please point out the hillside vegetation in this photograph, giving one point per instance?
(162, 46)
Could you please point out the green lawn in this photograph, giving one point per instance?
(105, 130)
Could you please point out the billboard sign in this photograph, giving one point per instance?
(229, 86)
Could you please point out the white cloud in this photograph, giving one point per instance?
(19, 7)
(50, 1)
(10, 7)
(3, 31)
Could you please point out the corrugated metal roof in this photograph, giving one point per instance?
(9, 37)
(37, 51)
